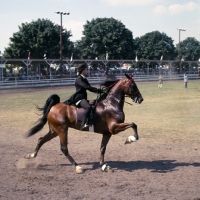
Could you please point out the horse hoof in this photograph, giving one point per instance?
(106, 168)
(29, 155)
(130, 139)
(79, 170)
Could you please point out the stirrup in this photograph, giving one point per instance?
(84, 127)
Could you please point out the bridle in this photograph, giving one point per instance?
(125, 83)
(130, 81)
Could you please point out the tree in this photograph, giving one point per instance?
(190, 49)
(106, 37)
(38, 37)
(77, 50)
(153, 45)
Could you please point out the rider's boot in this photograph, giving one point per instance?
(85, 119)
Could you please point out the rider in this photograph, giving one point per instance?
(80, 97)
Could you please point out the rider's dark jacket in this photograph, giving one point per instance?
(81, 85)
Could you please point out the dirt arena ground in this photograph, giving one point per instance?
(146, 169)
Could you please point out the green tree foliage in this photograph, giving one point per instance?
(39, 37)
(153, 45)
(190, 49)
(77, 50)
(106, 36)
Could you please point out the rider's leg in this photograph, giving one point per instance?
(84, 103)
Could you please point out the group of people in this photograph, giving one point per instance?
(160, 80)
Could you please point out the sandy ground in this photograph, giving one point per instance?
(146, 169)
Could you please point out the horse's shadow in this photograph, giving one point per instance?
(158, 166)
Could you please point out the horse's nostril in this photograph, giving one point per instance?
(141, 100)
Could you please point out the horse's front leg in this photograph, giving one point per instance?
(104, 142)
(119, 127)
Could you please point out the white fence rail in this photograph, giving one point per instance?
(15, 83)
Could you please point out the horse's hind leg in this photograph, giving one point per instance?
(64, 149)
(50, 135)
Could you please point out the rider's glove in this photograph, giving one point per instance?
(99, 90)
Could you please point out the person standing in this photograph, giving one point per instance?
(160, 81)
(185, 80)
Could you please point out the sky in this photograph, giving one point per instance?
(139, 16)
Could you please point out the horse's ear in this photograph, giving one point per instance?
(129, 76)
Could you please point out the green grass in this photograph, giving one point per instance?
(172, 112)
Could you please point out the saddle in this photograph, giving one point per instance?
(79, 115)
(80, 111)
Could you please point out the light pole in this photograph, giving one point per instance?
(1, 66)
(180, 29)
(61, 46)
(179, 50)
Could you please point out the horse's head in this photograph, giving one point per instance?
(130, 89)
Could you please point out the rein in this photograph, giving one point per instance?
(128, 103)
(112, 84)
(130, 81)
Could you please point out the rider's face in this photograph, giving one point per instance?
(85, 71)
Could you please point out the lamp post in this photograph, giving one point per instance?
(61, 46)
(1, 66)
(179, 50)
(180, 29)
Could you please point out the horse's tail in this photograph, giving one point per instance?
(51, 101)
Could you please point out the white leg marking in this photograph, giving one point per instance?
(106, 168)
(103, 168)
(32, 155)
(130, 139)
(79, 170)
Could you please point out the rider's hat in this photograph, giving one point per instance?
(81, 67)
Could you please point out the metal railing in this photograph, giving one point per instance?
(34, 82)
(31, 74)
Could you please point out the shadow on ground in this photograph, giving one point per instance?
(159, 166)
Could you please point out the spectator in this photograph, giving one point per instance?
(160, 81)
(106, 74)
(185, 80)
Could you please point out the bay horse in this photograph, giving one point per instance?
(108, 119)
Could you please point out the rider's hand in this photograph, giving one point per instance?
(102, 90)
(91, 102)
(99, 90)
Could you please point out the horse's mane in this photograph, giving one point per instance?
(108, 83)
(106, 86)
